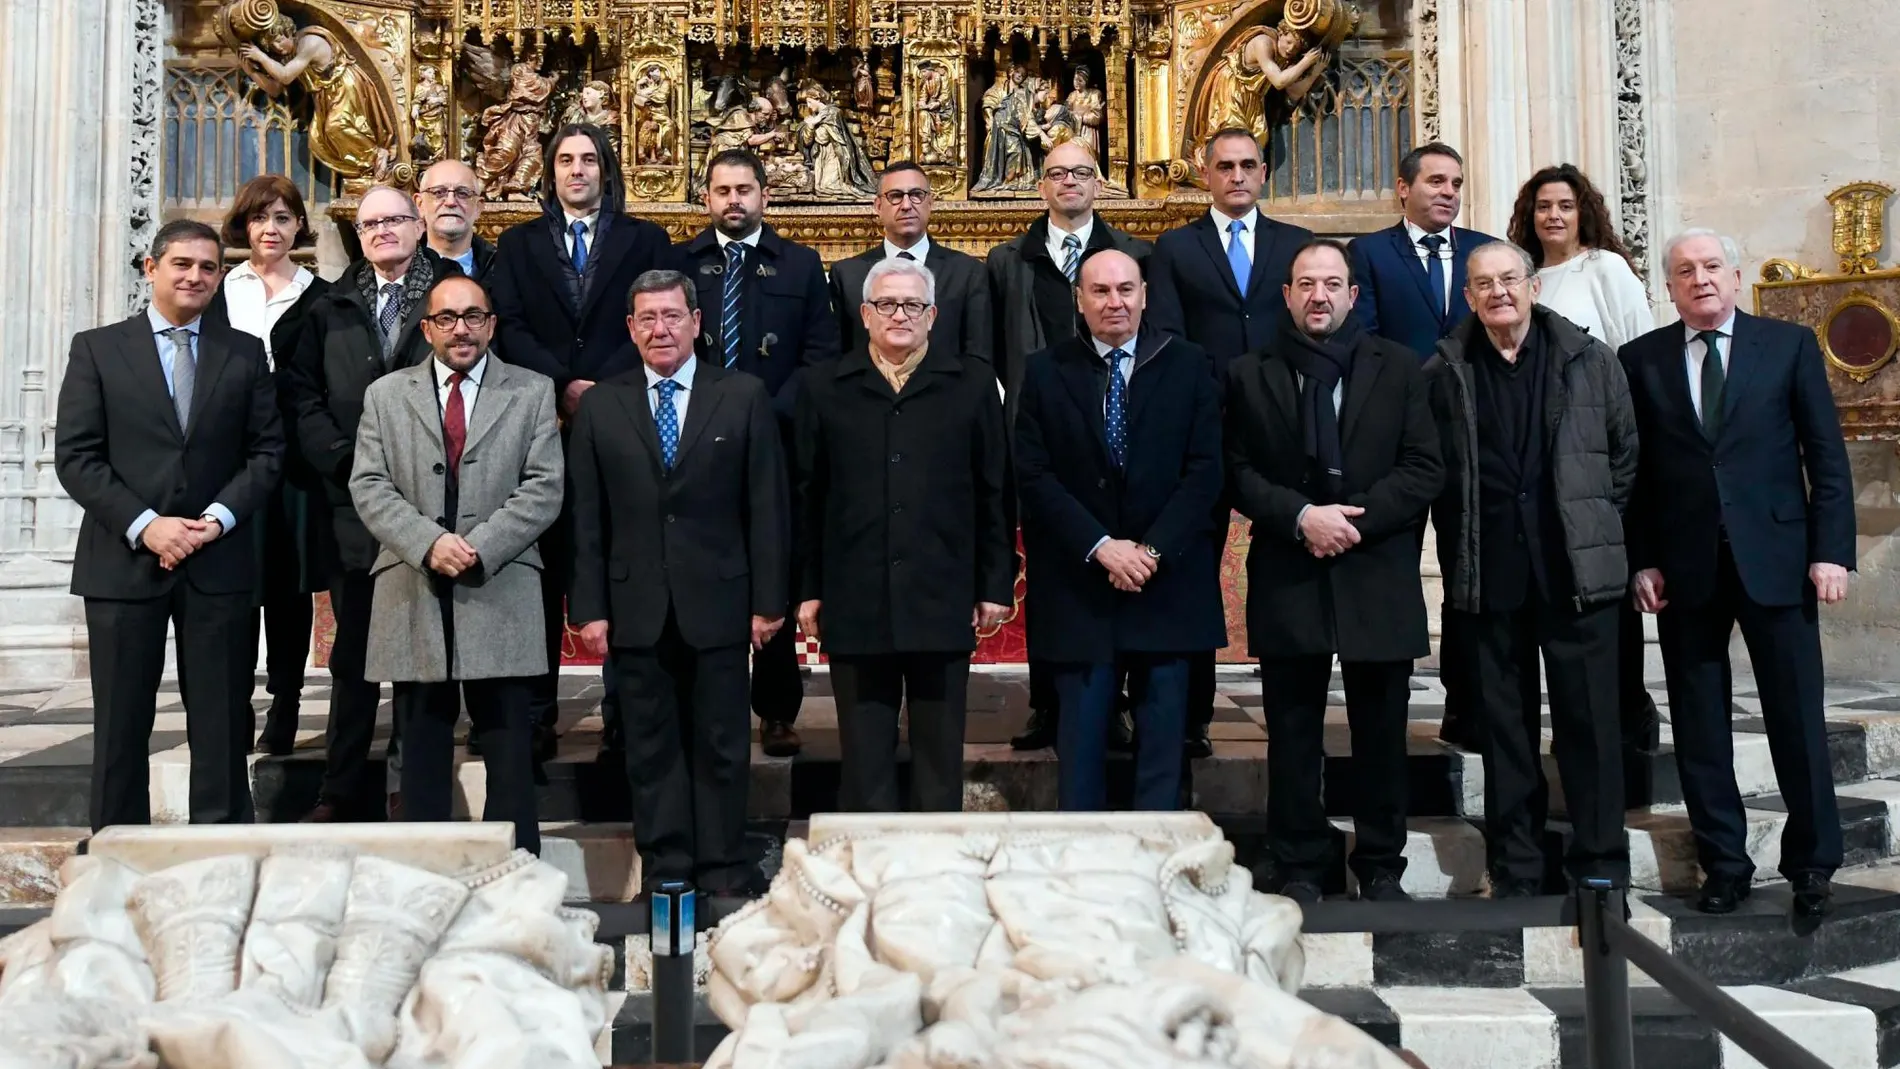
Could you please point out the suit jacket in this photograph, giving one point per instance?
(507, 493)
(1366, 604)
(562, 324)
(1776, 479)
(900, 504)
(118, 450)
(963, 324)
(785, 317)
(1072, 495)
(1394, 296)
(1192, 295)
(706, 542)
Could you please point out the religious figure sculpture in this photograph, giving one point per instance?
(510, 161)
(653, 117)
(1009, 157)
(1055, 122)
(595, 104)
(936, 115)
(863, 90)
(1259, 83)
(352, 130)
(1090, 110)
(428, 112)
(837, 164)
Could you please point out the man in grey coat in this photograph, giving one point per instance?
(458, 472)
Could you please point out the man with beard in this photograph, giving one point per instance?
(769, 316)
(451, 202)
(903, 206)
(1336, 496)
(559, 282)
(365, 327)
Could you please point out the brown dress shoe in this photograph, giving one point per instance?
(779, 739)
(324, 813)
(395, 807)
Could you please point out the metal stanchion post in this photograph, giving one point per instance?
(1608, 1032)
(671, 937)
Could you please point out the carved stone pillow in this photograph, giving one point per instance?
(191, 918)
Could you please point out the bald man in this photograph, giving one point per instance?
(1117, 520)
(451, 202)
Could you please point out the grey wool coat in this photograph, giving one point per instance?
(509, 492)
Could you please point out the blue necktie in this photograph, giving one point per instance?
(1237, 255)
(580, 247)
(666, 419)
(1117, 409)
(729, 303)
(1435, 271)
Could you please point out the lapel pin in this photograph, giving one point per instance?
(712, 269)
(766, 343)
(767, 270)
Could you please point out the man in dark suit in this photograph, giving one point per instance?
(681, 526)
(963, 325)
(366, 326)
(451, 201)
(1033, 280)
(558, 284)
(1217, 282)
(168, 438)
(1411, 280)
(1332, 453)
(769, 315)
(1744, 514)
(1118, 465)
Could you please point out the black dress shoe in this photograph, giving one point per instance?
(1383, 888)
(280, 728)
(1121, 728)
(1722, 894)
(1039, 733)
(546, 743)
(613, 741)
(474, 745)
(1813, 895)
(1460, 732)
(1516, 887)
(1305, 892)
(1198, 744)
(779, 739)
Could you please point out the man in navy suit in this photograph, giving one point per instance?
(1744, 513)
(1218, 282)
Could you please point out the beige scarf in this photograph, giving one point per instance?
(898, 374)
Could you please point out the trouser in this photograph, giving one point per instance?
(498, 710)
(1579, 659)
(1640, 721)
(778, 690)
(870, 690)
(688, 748)
(556, 549)
(217, 657)
(1378, 695)
(286, 618)
(1086, 692)
(353, 700)
(1784, 646)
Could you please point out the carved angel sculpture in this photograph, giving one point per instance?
(510, 160)
(1257, 86)
(595, 104)
(352, 129)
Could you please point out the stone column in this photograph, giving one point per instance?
(79, 130)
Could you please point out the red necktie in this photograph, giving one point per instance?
(454, 423)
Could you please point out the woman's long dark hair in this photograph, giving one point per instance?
(1594, 229)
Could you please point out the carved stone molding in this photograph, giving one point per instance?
(1425, 70)
(147, 84)
(1632, 139)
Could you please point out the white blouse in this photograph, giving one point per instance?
(1597, 291)
(250, 310)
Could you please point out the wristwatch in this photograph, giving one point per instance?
(1151, 551)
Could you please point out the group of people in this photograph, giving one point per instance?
(691, 452)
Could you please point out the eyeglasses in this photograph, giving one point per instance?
(1063, 174)
(370, 226)
(476, 318)
(888, 308)
(899, 196)
(649, 320)
(1496, 285)
(445, 192)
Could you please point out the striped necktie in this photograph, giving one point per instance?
(729, 303)
(1071, 256)
(184, 374)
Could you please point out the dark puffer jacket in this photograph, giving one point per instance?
(1589, 435)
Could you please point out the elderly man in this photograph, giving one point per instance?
(1539, 444)
(1118, 462)
(366, 326)
(451, 202)
(1744, 514)
(1337, 496)
(902, 562)
(681, 523)
(458, 472)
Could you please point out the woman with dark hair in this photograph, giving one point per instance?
(266, 296)
(1587, 276)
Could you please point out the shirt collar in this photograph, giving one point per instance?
(160, 324)
(1081, 233)
(442, 371)
(1102, 348)
(751, 239)
(921, 250)
(466, 261)
(1249, 222)
(683, 377)
(379, 281)
(1726, 330)
(592, 219)
(1417, 233)
(299, 281)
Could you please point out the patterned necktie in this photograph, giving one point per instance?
(729, 303)
(1071, 256)
(1117, 409)
(1713, 380)
(579, 255)
(184, 374)
(666, 419)
(391, 315)
(1237, 259)
(454, 423)
(1435, 271)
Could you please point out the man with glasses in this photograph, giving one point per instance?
(903, 204)
(366, 326)
(451, 202)
(1032, 279)
(458, 578)
(1539, 442)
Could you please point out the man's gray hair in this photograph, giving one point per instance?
(403, 193)
(1530, 265)
(1731, 252)
(897, 265)
(659, 280)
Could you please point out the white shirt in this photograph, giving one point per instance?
(1597, 291)
(471, 386)
(681, 397)
(591, 220)
(1445, 252)
(382, 294)
(168, 364)
(1056, 235)
(1694, 352)
(919, 250)
(751, 240)
(248, 306)
(1249, 224)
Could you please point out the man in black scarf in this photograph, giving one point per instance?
(1332, 453)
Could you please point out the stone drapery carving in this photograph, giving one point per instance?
(1632, 123)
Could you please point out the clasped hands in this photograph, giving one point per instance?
(1328, 530)
(173, 538)
(1129, 566)
(451, 555)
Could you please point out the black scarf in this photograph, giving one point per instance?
(1323, 363)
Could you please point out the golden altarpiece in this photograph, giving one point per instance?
(342, 93)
